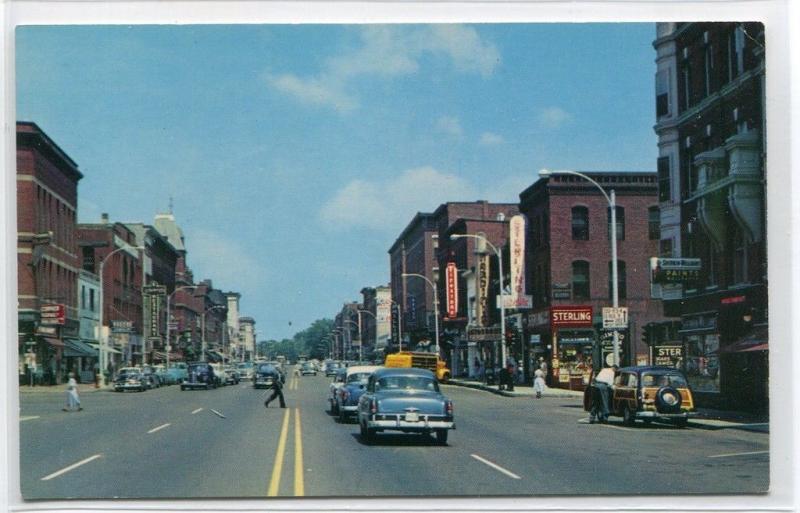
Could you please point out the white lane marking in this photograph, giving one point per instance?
(198, 410)
(496, 466)
(738, 454)
(71, 467)
(218, 413)
(162, 426)
(29, 417)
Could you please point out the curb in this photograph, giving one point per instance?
(486, 388)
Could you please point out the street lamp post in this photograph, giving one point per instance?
(612, 205)
(435, 304)
(499, 254)
(103, 339)
(169, 319)
(203, 332)
(358, 326)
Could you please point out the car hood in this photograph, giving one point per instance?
(399, 401)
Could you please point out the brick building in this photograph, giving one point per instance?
(568, 269)
(710, 122)
(375, 329)
(47, 253)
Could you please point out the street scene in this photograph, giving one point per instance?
(392, 261)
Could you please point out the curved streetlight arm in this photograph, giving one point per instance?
(456, 236)
(435, 305)
(546, 172)
(103, 340)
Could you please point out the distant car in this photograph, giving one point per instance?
(308, 368)
(265, 375)
(148, 381)
(406, 400)
(150, 373)
(219, 374)
(200, 375)
(178, 371)
(231, 376)
(164, 377)
(649, 393)
(245, 370)
(347, 395)
(331, 368)
(130, 378)
(338, 382)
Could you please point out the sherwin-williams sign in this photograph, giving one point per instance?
(573, 316)
(451, 283)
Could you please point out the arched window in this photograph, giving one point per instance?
(621, 281)
(580, 223)
(580, 280)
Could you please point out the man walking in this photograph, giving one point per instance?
(600, 397)
(277, 391)
(73, 401)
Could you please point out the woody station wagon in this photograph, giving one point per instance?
(649, 393)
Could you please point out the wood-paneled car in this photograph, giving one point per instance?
(649, 393)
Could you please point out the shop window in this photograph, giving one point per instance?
(620, 223)
(702, 364)
(580, 279)
(664, 193)
(621, 281)
(653, 223)
(580, 223)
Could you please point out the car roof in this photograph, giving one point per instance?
(362, 368)
(402, 371)
(646, 368)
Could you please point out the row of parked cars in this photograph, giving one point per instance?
(391, 399)
(187, 375)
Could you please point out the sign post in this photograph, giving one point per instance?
(615, 318)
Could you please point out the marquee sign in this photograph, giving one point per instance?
(52, 314)
(451, 284)
(518, 298)
(482, 305)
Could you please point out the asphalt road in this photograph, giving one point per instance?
(223, 443)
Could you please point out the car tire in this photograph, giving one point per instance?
(207, 387)
(441, 436)
(342, 417)
(367, 434)
(183, 388)
(335, 408)
(628, 418)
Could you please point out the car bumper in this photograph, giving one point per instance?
(129, 386)
(398, 423)
(195, 385)
(658, 415)
(348, 409)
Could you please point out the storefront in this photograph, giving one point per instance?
(572, 338)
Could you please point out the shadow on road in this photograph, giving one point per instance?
(399, 440)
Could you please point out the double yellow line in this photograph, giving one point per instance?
(277, 469)
(293, 383)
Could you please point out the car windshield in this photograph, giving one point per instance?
(129, 374)
(407, 383)
(358, 377)
(243, 366)
(267, 369)
(663, 379)
(198, 368)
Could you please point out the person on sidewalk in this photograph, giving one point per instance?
(277, 391)
(601, 390)
(73, 401)
(538, 382)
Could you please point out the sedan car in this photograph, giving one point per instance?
(200, 375)
(406, 400)
(231, 375)
(130, 378)
(164, 376)
(338, 382)
(265, 375)
(331, 368)
(245, 370)
(308, 368)
(346, 396)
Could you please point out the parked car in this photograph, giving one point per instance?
(219, 374)
(150, 373)
(649, 393)
(308, 368)
(231, 375)
(406, 400)
(346, 396)
(164, 377)
(147, 382)
(178, 371)
(245, 370)
(130, 378)
(265, 375)
(200, 375)
(338, 382)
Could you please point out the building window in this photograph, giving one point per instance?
(620, 223)
(735, 53)
(580, 223)
(580, 279)
(83, 297)
(664, 185)
(708, 67)
(739, 258)
(654, 223)
(622, 289)
(686, 84)
(662, 93)
(665, 248)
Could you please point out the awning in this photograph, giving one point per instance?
(78, 348)
(55, 342)
(756, 341)
(109, 349)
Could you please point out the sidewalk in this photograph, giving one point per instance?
(62, 389)
(706, 418)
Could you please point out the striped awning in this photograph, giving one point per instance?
(74, 347)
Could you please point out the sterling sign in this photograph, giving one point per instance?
(572, 316)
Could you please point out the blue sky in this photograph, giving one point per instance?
(296, 154)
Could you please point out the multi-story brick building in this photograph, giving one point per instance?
(375, 329)
(47, 252)
(568, 269)
(710, 122)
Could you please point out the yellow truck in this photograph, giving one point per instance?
(430, 361)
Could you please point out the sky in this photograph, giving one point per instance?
(296, 154)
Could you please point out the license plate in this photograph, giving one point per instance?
(412, 417)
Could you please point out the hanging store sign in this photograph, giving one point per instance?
(482, 303)
(483, 334)
(615, 318)
(121, 326)
(47, 331)
(517, 250)
(451, 284)
(580, 316)
(52, 314)
(675, 270)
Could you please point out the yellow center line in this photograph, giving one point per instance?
(275, 481)
(299, 484)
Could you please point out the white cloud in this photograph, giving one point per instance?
(450, 125)
(553, 117)
(388, 51)
(390, 204)
(224, 260)
(491, 139)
